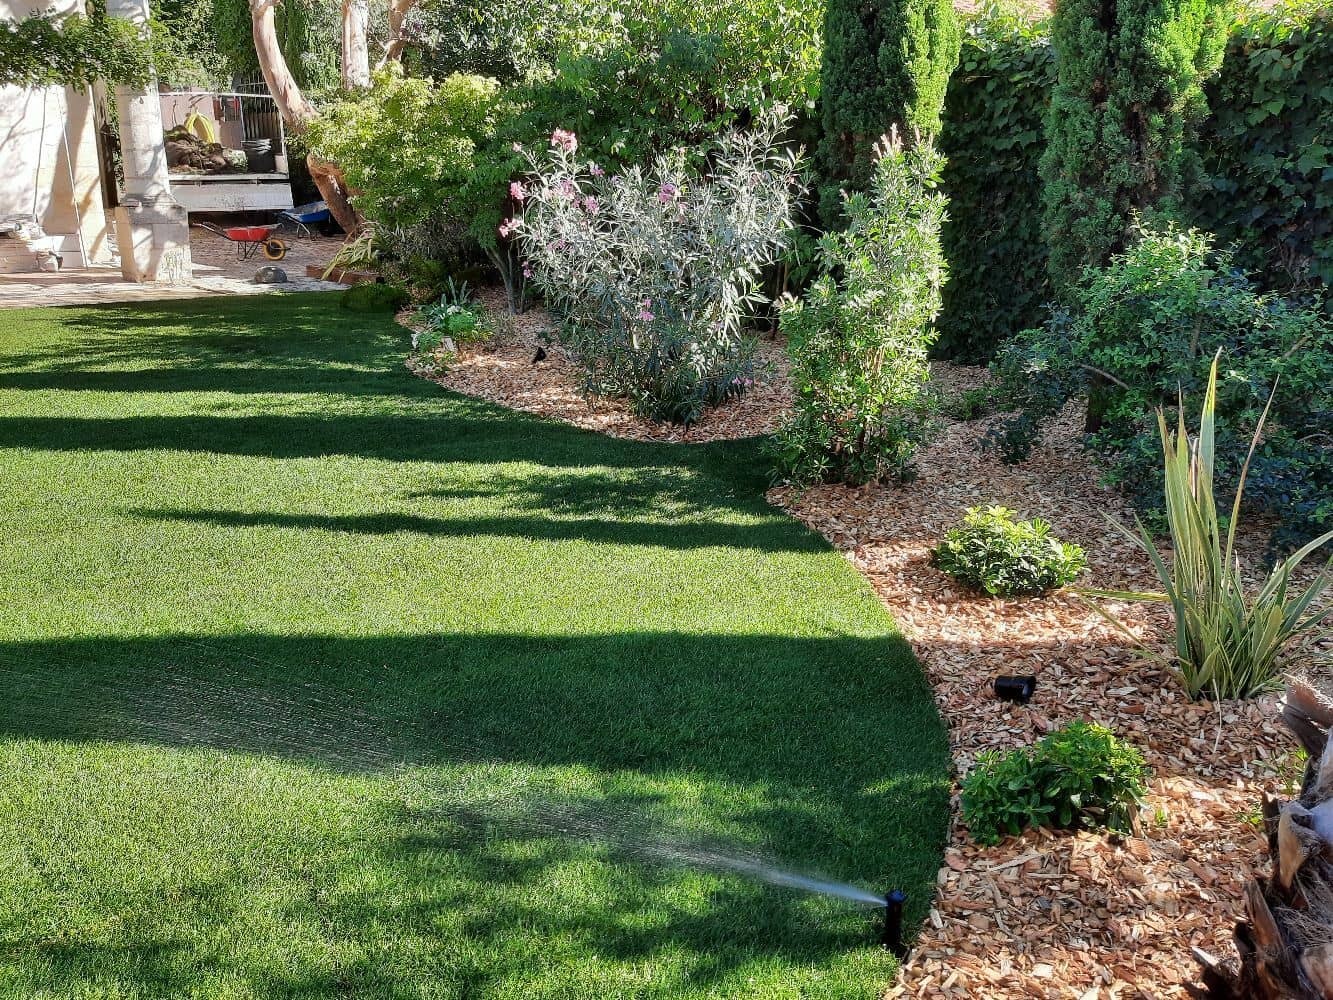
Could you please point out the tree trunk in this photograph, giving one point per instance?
(355, 53)
(393, 49)
(296, 112)
(1286, 939)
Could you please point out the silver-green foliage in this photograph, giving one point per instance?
(1230, 641)
(859, 340)
(654, 270)
(993, 552)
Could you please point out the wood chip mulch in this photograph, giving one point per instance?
(502, 371)
(1046, 914)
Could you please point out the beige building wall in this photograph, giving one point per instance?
(49, 165)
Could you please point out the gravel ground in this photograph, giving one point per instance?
(1046, 914)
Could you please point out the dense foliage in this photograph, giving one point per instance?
(1268, 147)
(885, 63)
(860, 339)
(653, 271)
(73, 50)
(1078, 777)
(410, 147)
(992, 138)
(1146, 327)
(1231, 642)
(1128, 99)
(992, 552)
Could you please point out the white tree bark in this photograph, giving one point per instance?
(393, 49)
(355, 51)
(296, 112)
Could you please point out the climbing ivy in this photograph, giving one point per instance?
(1268, 147)
(73, 51)
(993, 140)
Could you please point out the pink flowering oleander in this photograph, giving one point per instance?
(596, 171)
(666, 193)
(645, 315)
(516, 191)
(590, 205)
(568, 141)
(566, 188)
(508, 227)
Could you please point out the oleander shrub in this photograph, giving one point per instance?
(860, 338)
(1232, 640)
(1142, 332)
(655, 270)
(992, 140)
(1078, 777)
(993, 552)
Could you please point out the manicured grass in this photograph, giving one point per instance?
(316, 680)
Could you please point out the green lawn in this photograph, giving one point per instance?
(318, 681)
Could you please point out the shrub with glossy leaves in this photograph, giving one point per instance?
(654, 270)
(860, 338)
(1141, 333)
(993, 552)
(1078, 777)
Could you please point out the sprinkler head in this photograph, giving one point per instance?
(1015, 689)
(892, 938)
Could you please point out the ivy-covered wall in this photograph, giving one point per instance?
(993, 140)
(1267, 149)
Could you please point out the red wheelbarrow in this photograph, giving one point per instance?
(249, 240)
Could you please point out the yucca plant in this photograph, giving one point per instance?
(1229, 643)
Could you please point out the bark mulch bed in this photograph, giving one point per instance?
(502, 370)
(1046, 914)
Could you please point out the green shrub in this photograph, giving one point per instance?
(1147, 327)
(970, 404)
(992, 138)
(454, 317)
(368, 297)
(1127, 102)
(1229, 644)
(1078, 777)
(991, 551)
(1268, 146)
(859, 340)
(886, 63)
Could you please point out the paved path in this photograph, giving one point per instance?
(216, 272)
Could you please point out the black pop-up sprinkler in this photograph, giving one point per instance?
(892, 938)
(1015, 689)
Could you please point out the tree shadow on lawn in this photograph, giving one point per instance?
(529, 773)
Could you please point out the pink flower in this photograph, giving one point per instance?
(566, 188)
(590, 205)
(518, 147)
(516, 191)
(595, 170)
(568, 141)
(645, 315)
(527, 272)
(667, 193)
(507, 227)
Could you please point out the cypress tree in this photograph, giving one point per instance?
(1127, 100)
(885, 63)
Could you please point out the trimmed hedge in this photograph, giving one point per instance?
(993, 140)
(1267, 152)
(1268, 147)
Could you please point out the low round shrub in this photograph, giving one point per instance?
(991, 551)
(374, 298)
(1078, 777)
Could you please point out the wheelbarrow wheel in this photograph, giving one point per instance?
(275, 249)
